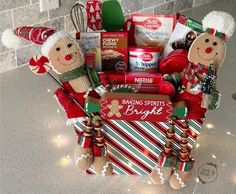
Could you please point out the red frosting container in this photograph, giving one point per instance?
(143, 58)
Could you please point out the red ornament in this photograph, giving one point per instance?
(39, 64)
(166, 88)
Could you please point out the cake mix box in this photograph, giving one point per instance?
(114, 46)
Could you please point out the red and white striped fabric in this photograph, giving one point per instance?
(134, 147)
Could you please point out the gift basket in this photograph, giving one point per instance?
(135, 91)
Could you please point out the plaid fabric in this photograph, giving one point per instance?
(191, 72)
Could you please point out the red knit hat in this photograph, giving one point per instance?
(44, 36)
(37, 35)
(47, 37)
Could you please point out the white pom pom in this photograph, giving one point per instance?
(220, 21)
(10, 39)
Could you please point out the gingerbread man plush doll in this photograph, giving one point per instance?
(206, 56)
(63, 53)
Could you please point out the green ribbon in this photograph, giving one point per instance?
(71, 75)
(93, 76)
(217, 34)
(214, 100)
(79, 72)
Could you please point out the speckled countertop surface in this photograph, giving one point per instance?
(36, 146)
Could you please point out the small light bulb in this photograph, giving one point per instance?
(149, 182)
(197, 145)
(228, 132)
(210, 126)
(60, 141)
(234, 179)
(58, 111)
(128, 190)
(49, 90)
(213, 156)
(197, 180)
(65, 161)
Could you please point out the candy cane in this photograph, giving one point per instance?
(40, 65)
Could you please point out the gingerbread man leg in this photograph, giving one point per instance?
(101, 164)
(162, 171)
(83, 153)
(184, 164)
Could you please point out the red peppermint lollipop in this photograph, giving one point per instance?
(39, 64)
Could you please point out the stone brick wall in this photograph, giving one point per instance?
(15, 13)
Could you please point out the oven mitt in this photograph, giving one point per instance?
(112, 16)
(93, 9)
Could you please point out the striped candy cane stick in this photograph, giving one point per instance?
(102, 164)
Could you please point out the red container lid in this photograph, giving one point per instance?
(145, 49)
(176, 61)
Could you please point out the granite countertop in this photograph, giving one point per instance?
(37, 147)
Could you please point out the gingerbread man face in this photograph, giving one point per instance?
(207, 49)
(66, 55)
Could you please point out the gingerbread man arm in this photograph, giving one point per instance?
(68, 105)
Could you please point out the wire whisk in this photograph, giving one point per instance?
(79, 17)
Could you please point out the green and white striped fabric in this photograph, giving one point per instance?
(134, 147)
